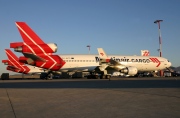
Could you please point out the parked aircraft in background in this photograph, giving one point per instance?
(36, 53)
(131, 65)
(145, 53)
(14, 65)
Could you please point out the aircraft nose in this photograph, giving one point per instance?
(169, 64)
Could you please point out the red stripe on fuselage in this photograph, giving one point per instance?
(155, 60)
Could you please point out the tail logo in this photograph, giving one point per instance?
(146, 53)
(102, 54)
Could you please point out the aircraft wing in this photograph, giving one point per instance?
(104, 58)
(113, 62)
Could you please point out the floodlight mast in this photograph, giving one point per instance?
(160, 42)
(160, 39)
(89, 47)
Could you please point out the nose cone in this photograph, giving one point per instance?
(169, 64)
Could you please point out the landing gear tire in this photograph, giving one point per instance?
(102, 76)
(89, 77)
(92, 77)
(108, 76)
(96, 77)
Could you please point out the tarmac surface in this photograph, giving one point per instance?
(90, 98)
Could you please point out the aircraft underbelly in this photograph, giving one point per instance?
(71, 67)
(145, 67)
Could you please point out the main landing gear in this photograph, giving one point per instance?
(46, 76)
(98, 76)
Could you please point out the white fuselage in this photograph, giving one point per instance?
(90, 62)
(34, 69)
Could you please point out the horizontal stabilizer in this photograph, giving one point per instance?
(16, 44)
(34, 57)
(5, 61)
(13, 67)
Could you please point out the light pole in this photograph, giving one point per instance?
(88, 48)
(160, 39)
(160, 42)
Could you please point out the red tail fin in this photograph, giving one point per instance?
(11, 56)
(15, 62)
(27, 34)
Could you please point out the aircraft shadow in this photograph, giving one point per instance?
(93, 84)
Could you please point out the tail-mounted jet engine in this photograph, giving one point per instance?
(37, 49)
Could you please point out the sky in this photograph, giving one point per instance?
(123, 27)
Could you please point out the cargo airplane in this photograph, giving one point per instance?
(145, 53)
(38, 52)
(33, 47)
(132, 65)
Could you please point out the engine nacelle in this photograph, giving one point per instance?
(53, 63)
(53, 46)
(37, 49)
(18, 49)
(6, 62)
(129, 70)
